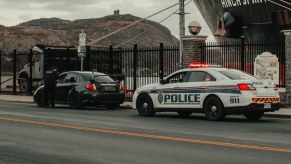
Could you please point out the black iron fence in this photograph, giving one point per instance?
(135, 66)
(138, 66)
(145, 65)
(241, 55)
(10, 66)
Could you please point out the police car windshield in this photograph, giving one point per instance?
(98, 77)
(237, 75)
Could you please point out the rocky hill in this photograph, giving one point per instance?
(55, 31)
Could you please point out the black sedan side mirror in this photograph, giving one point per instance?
(163, 81)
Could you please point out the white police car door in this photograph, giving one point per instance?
(167, 94)
(185, 94)
(196, 88)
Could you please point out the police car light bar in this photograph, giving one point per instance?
(202, 65)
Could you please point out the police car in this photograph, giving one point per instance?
(214, 91)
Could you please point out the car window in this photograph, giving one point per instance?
(71, 78)
(98, 77)
(62, 77)
(103, 78)
(197, 76)
(208, 77)
(236, 75)
(81, 79)
(177, 78)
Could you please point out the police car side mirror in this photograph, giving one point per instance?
(162, 81)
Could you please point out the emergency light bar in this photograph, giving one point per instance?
(203, 66)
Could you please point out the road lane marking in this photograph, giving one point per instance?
(144, 135)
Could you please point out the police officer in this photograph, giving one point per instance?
(50, 80)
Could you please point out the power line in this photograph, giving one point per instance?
(280, 4)
(285, 2)
(132, 24)
(152, 26)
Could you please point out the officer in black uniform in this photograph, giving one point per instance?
(50, 80)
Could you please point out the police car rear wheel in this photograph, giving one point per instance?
(145, 106)
(254, 116)
(184, 113)
(214, 109)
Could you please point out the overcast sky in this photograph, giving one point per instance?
(13, 12)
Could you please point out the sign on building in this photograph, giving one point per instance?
(266, 67)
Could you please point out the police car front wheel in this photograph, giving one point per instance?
(144, 106)
(214, 109)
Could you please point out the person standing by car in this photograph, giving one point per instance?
(50, 80)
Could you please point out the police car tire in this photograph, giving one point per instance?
(254, 116)
(140, 104)
(184, 113)
(39, 99)
(211, 104)
(75, 102)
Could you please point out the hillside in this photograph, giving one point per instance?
(55, 31)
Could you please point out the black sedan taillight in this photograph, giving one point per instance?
(91, 87)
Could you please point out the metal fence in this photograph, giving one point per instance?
(241, 55)
(138, 66)
(11, 64)
(135, 66)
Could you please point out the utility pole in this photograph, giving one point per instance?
(182, 28)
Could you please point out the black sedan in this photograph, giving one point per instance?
(81, 89)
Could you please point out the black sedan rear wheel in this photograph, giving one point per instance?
(75, 101)
(39, 98)
(144, 105)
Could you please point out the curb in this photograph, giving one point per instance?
(277, 116)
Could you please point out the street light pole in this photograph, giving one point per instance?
(182, 28)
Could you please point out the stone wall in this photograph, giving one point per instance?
(191, 51)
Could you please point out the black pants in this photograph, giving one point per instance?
(49, 95)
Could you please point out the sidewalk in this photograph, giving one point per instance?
(282, 113)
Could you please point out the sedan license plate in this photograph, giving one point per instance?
(108, 88)
(267, 105)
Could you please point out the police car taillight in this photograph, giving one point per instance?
(245, 87)
(91, 87)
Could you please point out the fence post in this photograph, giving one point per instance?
(161, 60)
(242, 57)
(135, 66)
(68, 58)
(111, 60)
(30, 72)
(87, 61)
(0, 70)
(14, 72)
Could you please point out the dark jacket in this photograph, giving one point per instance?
(51, 77)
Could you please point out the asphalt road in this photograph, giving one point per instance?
(29, 134)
